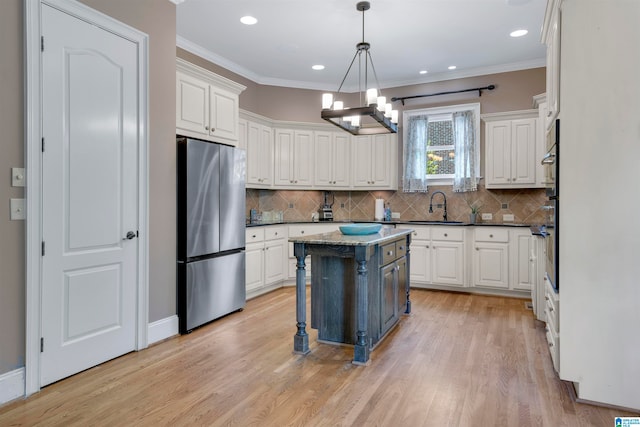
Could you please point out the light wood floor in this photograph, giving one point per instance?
(457, 360)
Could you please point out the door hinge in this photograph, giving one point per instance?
(41, 344)
(43, 144)
(42, 43)
(42, 248)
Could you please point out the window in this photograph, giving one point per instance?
(438, 151)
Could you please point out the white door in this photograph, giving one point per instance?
(89, 195)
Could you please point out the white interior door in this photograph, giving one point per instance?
(89, 173)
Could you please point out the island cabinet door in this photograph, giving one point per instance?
(402, 285)
(389, 305)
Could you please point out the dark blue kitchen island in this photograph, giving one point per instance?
(359, 288)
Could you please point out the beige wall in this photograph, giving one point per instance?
(12, 261)
(157, 19)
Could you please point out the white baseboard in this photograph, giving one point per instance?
(11, 385)
(162, 329)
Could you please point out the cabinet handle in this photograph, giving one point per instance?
(427, 246)
(206, 128)
(550, 308)
(550, 344)
(477, 248)
(276, 233)
(546, 298)
(302, 232)
(491, 236)
(390, 253)
(401, 248)
(445, 234)
(549, 113)
(253, 237)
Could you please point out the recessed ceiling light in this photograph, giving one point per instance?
(248, 20)
(318, 67)
(452, 67)
(423, 71)
(518, 33)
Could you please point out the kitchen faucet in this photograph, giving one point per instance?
(444, 216)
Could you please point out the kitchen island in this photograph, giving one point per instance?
(359, 288)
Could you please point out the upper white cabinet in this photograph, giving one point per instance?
(551, 38)
(373, 162)
(293, 158)
(332, 160)
(260, 155)
(206, 104)
(510, 150)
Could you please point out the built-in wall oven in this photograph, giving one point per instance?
(551, 162)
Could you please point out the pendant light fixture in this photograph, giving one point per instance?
(374, 115)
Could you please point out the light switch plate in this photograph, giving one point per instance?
(17, 177)
(395, 215)
(17, 209)
(507, 217)
(487, 216)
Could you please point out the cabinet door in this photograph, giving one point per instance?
(388, 306)
(259, 156)
(553, 68)
(242, 134)
(420, 261)
(447, 261)
(223, 115)
(303, 158)
(491, 265)
(323, 160)
(254, 259)
(341, 160)
(498, 153)
(523, 152)
(523, 271)
(274, 261)
(362, 161)
(402, 285)
(284, 157)
(192, 104)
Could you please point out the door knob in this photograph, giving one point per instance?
(130, 235)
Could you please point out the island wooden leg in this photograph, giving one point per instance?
(301, 339)
(361, 348)
(408, 284)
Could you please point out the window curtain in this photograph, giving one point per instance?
(414, 179)
(466, 167)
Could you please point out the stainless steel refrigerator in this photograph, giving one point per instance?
(210, 231)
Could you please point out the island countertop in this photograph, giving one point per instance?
(336, 238)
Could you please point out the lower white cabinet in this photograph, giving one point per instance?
(523, 272)
(491, 257)
(265, 255)
(552, 317)
(307, 229)
(437, 255)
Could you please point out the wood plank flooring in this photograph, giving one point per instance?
(457, 360)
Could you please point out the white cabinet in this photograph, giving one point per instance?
(551, 38)
(447, 255)
(206, 104)
(332, 160)
(293, 158)
(260, 155)
(420, 251)
(298, 230)
(543, 177)
(266, 258)
(552, 317)
(522, 270)
(374, 161)
(510, 153)
(491, 257)
(538, 260)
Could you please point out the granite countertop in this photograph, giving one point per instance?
(336, 238)
(396, 223)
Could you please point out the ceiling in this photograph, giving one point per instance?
(406, 36)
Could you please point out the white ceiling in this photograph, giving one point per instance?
(406, 36)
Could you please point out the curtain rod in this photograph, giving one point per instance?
(479, 89)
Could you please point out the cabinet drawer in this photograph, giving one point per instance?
(401, 248)
(447, 233)
(309, 229)
(420, 233)
(553, 341)
(254, 234)
(389, 253)
(492, 234)
(272, 233)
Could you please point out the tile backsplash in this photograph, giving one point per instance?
(523, 204)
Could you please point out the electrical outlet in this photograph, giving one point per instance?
(507, 217)
(17, 209)
(487, 216)
(395, 215)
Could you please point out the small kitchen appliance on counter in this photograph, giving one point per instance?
(325, 213)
